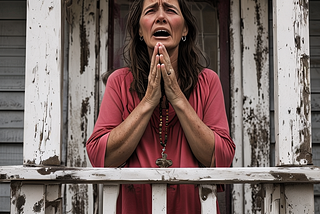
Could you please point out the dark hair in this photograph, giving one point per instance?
(137, 58)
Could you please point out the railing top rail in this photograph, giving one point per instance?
(48, 174)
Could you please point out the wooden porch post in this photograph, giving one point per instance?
(236, 99)
(83, 94)
(43, 103)
(250, 101)
(292, 98)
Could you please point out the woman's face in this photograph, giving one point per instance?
(162, 21)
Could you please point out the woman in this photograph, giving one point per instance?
(164, 109)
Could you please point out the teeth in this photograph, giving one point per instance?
(159, 31)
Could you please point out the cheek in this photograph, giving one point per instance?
(145, 25)
(178, 24)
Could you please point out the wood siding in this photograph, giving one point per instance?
(315, 89)
(12, 76)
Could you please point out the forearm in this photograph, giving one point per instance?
(200, 137)
(124, 139)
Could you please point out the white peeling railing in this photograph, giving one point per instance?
(31, 177)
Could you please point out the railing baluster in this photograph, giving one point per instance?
(159, 198)
(110, 196)
(27, 198)
(208, 199)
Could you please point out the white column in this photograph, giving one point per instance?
(292, 82)
(43, 104)
(208, 199)
(44, 67)
(110, 196)
(292, 99)
(82, 106)
(252, 98)
(159, 198)
(236, 100)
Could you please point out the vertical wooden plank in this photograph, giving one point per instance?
(159, 198)
(83, 53)
(272, 199)
(255, 83)
(103, 69)
(44, 62)
(27, 198)
(299, 198)
(104, 27)
(292, 98)
(53, 200)
(236, 100)
(292, 82)
(208, 199)
(110, 196)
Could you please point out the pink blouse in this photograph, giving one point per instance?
(118, 101)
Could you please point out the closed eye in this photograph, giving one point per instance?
(171, 11)
(148, 11)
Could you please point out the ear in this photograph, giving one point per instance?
(185, 30)
(140, 32)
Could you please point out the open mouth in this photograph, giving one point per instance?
(161, 33)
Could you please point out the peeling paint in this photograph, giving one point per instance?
(297, 41)
(303, 152)
(56, 204)
(46, 170)
(37, 207)
(20, 202)
(304, 6)
(17, 200)
(257, 196)
(30, 162)
(294, 177)
(258, 136)
(85, 107)
(262, 51)
(55, 160)
(79, 200)
(205, 193)
(84, 43)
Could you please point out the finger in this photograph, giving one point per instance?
(168, 66)
(154, 62)
(158, 69)
(163, 51)
(154, 73)
(165, 72)
(165, 59)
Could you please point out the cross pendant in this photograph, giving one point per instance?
(163, 162)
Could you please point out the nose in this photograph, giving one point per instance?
(161, 18)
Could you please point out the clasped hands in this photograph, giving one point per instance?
(161, 67)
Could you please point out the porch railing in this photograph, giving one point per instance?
(33, 188)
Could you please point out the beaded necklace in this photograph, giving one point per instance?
(163, 162)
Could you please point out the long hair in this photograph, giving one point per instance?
(137, 58)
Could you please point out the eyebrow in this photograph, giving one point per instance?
(170, 5)
(166, 4)
(150, 6)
